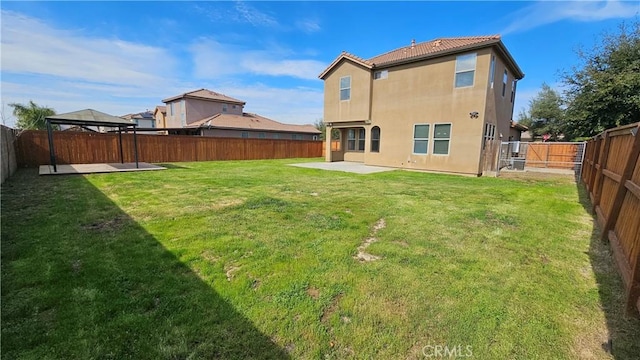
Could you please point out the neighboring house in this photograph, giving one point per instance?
(428, 106)
(252, 126)
(207, 113)
(144, 120)
(160, 115)
(516, 130)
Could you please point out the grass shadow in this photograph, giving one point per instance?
(81, 279)
(624, 331)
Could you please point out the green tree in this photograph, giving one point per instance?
(321, 126)
(603, 91)
(31, 116)
(546, 114)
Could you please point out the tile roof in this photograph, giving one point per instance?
(433, 47)
(142, 115)
(250, 122)
(427, 49)
(205, 94)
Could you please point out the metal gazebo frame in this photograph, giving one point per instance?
(90, 117)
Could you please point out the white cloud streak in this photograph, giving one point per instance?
(308, 26)
(68, 71)
(214, 60)
(31, 46)
(548, 12)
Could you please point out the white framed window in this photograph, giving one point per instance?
(465, 70)
(171, 109)
(345, 88)
(382, 74)
(421, 139)
(224, 108)
(441, 138)
(492, 71)
(505, 77)
(375, 139)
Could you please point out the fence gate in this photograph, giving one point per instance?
(543, 157)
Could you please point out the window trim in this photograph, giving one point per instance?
(346, 88)
(514, 82)
(225, 108)
(433, 150)
(413, 143)
(456, 72)
(242, 134)
(371, 141)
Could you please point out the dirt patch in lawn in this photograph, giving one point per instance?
(230, 270)
(313, 292)
(362, 255)
(107, 225)
(331, 309)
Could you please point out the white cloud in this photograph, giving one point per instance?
(29, 46)
(253, 16)
(214, 60)
(547, 12)
(294, 106)
(67, 70)
(309, 26)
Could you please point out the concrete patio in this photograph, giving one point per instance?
(346, 166)
(97, 168)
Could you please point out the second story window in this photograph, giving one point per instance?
(345, 88)
(465, 70)
(492, 71)
(170, 109)
(383, 74)
(513, 89)
(504, 82)
(224, 108)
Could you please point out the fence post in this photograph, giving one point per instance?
(602, 163)
(595, 153)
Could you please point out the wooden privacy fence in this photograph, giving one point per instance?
(611, 174)
(91, 148)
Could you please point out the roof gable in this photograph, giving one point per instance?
(205, 94)
(348, 57)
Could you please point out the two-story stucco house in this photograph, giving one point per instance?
(207, 113)
(427, 106)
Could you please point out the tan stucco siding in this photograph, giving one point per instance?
(358, 106)
(173, 118)
(422, 93)
(499, 108)
(200, 109)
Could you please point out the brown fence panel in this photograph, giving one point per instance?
(91, 148)
(552, 155)
(612, 178)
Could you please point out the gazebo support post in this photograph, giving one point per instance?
(135, 145)
(120, 142)
(52, 154)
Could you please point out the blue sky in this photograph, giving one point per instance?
(123, 57)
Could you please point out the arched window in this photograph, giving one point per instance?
(375, 139)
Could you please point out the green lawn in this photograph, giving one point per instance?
(255, 259)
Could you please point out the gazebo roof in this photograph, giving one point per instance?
(89, 117)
